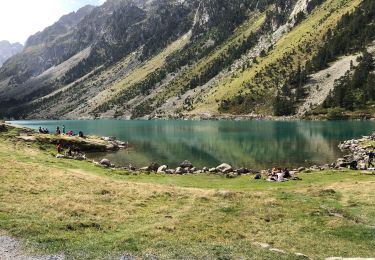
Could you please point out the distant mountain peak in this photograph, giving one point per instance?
(8, 49)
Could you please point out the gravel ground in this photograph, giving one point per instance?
(11, 249)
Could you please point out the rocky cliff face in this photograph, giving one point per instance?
(150, 58)
(8, 50)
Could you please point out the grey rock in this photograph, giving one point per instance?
(224, 168)
(179, 170)
(80, 158)
(170, 171)
(262, 245)
(186, 164)
(162, 169)
(231, 175)
(301, 255)
(277, 250)
(105, 162)
(243, 171)
(153, 167)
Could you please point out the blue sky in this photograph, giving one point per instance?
(73, 5)
(21, 18)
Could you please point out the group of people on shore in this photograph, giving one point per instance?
(61, 131)
(71, 151)
(43, 130)
(278, 174)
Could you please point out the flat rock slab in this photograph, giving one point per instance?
(27, 138)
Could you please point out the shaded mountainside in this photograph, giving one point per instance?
(8, 49)
(163, 58)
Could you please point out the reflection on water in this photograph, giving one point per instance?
(254, 144)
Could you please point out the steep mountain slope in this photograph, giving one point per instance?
(170, 58)
(8, 49)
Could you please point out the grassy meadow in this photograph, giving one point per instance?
(84, 212)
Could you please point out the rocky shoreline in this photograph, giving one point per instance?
(356, 158)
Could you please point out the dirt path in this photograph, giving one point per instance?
(11, 249)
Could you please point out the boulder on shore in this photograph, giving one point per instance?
(105, 162)
(153, 167)
(179, 170)
(162, 169)
(224, 168)
(243, 171)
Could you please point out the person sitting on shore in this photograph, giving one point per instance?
(40, 130)
(287, 173)
(69, 152)
(371, 156)
(80, 134)
(58, 131)
(59, 148)
(353, 165)
(63, 129)
(70, 133)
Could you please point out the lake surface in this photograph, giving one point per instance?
(252, 144)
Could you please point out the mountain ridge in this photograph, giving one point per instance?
(163, 58)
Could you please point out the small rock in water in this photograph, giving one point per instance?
(186, 164)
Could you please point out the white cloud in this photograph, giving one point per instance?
(21, 18)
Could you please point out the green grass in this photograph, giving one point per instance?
(85, 212)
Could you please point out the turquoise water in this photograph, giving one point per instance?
(252, 144)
